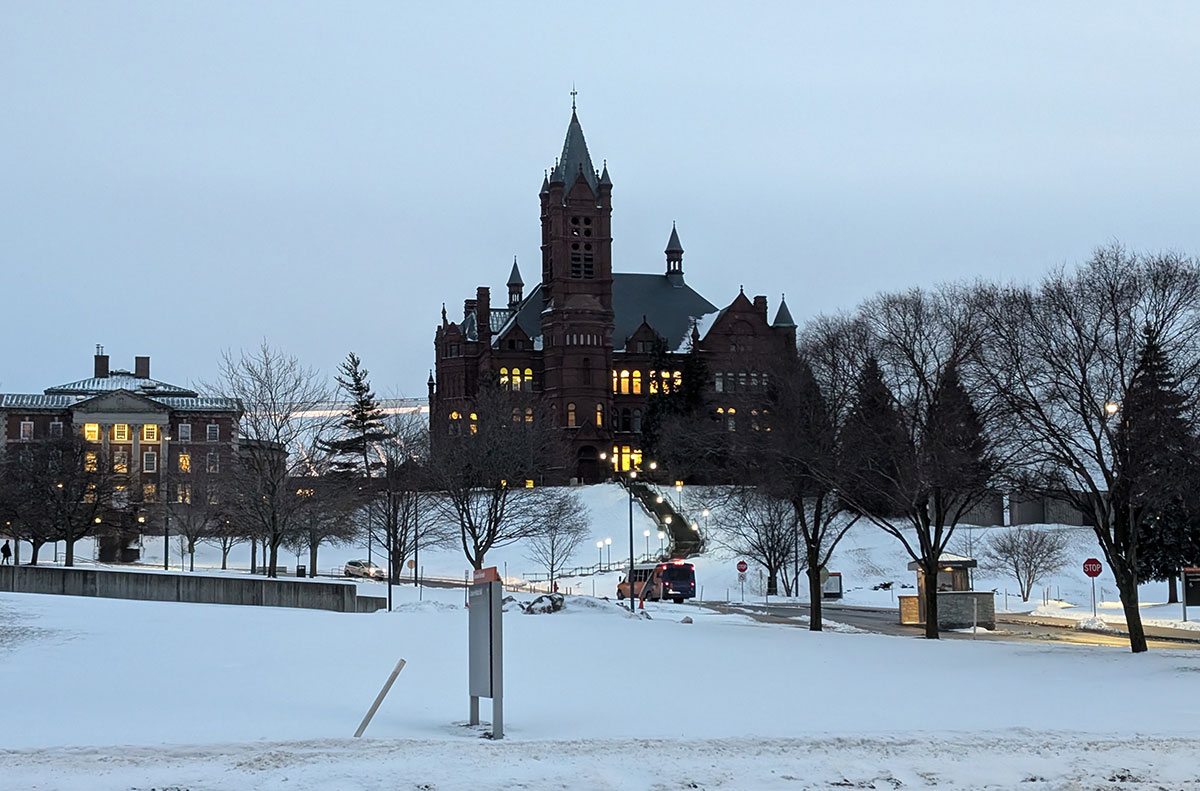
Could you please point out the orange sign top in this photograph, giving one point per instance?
(487, 575)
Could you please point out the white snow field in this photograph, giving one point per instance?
(113, 694)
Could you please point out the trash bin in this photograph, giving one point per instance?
(301, 571)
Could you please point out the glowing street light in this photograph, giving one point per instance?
(661, 536)
(608, 543)
(600, 551)
(646, 533)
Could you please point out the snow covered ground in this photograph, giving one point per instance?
(111, 694)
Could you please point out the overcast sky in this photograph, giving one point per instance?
(178, 179)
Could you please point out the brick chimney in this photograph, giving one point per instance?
(141, 367)
(483, 314)
(760, 307)
(101, 370)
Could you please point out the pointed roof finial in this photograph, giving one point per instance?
(514, 277)
(673, 244)
(574, 93)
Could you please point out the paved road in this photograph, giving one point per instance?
(1010, 627)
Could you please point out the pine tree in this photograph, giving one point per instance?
(1159, 470)
(876, 452)
(953, 449)
(363, 423)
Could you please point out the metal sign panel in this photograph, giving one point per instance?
(1191, 587)
(485, 677)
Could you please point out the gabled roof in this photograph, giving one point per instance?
(575, 160)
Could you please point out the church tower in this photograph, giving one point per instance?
(577, 312)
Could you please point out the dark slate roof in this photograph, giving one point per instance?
(514, 278)
(669, 309)
(784, 317)
(673, 245)
(36, 401)
(575, 159)
(119, 380)
(19, 401)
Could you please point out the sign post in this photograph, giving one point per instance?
(742, 567)
(486, 674)
(1191, 589)
(1092, 568)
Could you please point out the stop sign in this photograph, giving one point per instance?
(1092, 567)
(742, 566)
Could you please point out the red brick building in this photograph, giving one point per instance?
(165, 443)
(592, 341)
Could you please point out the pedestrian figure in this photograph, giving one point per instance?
(5, 553)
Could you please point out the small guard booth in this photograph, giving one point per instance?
(959, 607)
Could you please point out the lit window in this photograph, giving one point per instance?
(504, 378)
(56, 429)
(474, 424)
(624, 382)
(731, 419)
(27, 429)
(637, 382)
(91, 432)
(149, 461)
(183, 493)
(571, 415)
(528, 414)
(150, 433)
(89, 495)
(185, 462)
(185, 432)
(149, 492)
(213, 463)
(213, 432)
(455, 416)
(120, 461)
(678, 377)
(516, 414)
(615, 385)
(599, 415)
(120, 432)
(90, 461)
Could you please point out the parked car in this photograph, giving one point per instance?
(365, 568)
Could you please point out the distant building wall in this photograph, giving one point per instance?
(986, 513)
(103, 583)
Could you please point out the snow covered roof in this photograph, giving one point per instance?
(119, 380)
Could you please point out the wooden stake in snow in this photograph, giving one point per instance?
(379, 699)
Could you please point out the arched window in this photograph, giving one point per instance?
(504, 378)
(731, 419)
(528, 414)
(637, 420)
(516, 415)
(599, 415)
(571, 415)
(624, 382)
(528, 384)
(516, 379)
(719, 382)
(637, 382)
(741, 380)
(626, 420)
(615, 382)
(677, 376)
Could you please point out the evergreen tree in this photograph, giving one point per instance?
(363, 424)
(1158, 465)
(954, 454)
(876, 452)
(668, 403)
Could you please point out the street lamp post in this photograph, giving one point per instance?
(632, 477)
(608, 543)
(661, 536)
(166, 501)
(646, 533)
(600, 553)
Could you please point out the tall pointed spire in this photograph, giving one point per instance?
(575, 162)
(515, 285)
(674, 253)
(784, 317)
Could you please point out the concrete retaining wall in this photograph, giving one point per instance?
(145, 586)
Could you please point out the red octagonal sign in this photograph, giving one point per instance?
(742, 566)
(1092, 567)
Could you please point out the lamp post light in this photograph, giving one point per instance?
(661, 536)
(166, 501)
(679, 493)
(632, 478)
(600, 552)
(608, 543)
(646, 533)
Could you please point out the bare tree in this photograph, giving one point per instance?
(280, 398)
(566, 527)
(752, 523)
(225, 535)
(916, 452)
(405, 517)
(488, 474)
(1060, 359)
(1027, 554)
